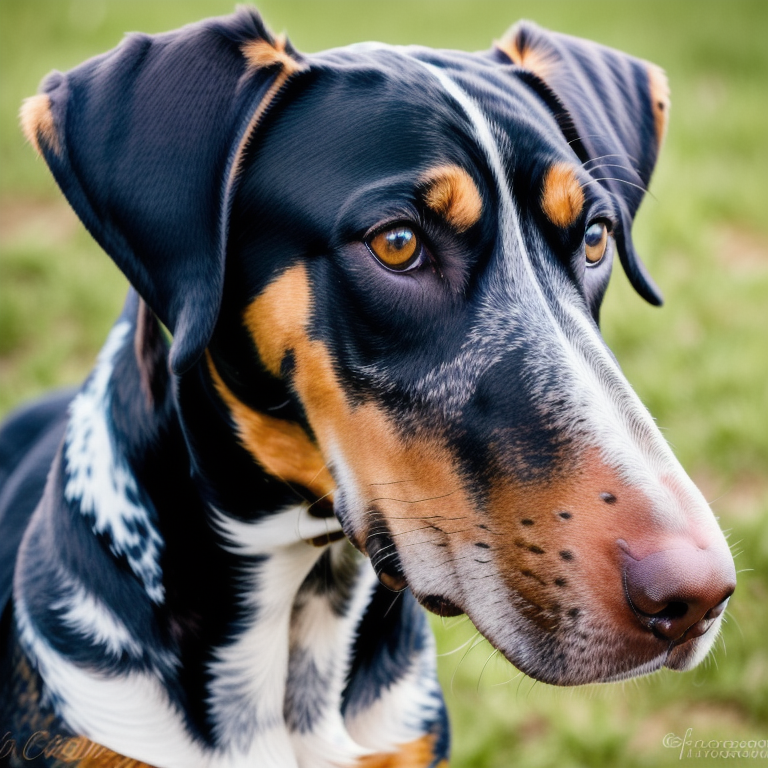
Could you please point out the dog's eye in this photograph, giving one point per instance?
(397, 248)
(595, 242)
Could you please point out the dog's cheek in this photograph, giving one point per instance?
(406, 495)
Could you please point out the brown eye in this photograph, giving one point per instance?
(396, 248)
(595, 242)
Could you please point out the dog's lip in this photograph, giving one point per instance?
(439, 605)
(649, 667)
(678, 656)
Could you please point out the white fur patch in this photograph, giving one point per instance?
(129, 714)
(247, 692)
(327, 639)
(398, 716)
(99, 479)
(94, 621)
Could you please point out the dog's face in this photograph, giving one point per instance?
(417, 246)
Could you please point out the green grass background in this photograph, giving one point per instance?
(700, 363)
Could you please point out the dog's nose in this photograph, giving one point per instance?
(678, 592)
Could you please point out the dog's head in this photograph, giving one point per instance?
(390, 263)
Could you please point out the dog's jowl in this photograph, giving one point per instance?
(381, 269)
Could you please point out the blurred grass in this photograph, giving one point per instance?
(700, 362)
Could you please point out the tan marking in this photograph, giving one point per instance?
(539, 61)
(77, 751)
(106, 758)
(328, 538)
(562, 197)
(278, 317)
(281, 447)
(415, 754)
(408, 481)
(453, 194)
(659, 91)
(38, 124)
(363, 435)
(263, 53)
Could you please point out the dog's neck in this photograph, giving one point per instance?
(205, 629)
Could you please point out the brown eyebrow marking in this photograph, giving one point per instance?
(562, 197)
(38, 124)
(659, 92)
(452, 193)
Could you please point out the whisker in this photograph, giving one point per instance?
(623, 181)
(469, 650)
(451, 622)
(615, 178)
(459, 648)
(719, 498)
(294, 489)
(392, 604)
(418, 543)
(317, 474)
(480, 677)
(319, 499)
(514, 677)
(428, 517)
(415, 501)
(452, 560)
(598, 136)
(613, 165)
(601, 157)
(383, 529)
(588, 136)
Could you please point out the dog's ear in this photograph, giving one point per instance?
(613, 110)
(145, 142)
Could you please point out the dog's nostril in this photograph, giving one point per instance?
(440, 605)
(677, 593)
(673, 610)
(713, 613)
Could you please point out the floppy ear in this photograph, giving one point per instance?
(145, 143)
(612, 109)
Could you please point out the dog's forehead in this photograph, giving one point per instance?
(421, 73)
(397, 106)
(374, 119)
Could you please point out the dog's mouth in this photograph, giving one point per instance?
(678, 657)
(590, 652)
(563, 605)
(441, 606)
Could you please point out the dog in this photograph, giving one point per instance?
(359, 372)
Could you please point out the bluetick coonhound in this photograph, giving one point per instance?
(382, 386)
